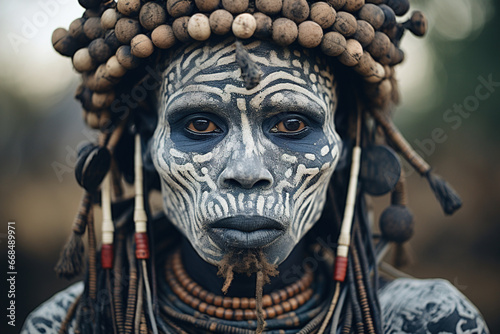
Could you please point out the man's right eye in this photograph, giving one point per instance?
(203, 125)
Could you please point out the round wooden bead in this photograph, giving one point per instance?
(380, 169)
(221, 22)
(352, 54)
(141, 46)
(323, 14)
(178, 8)
(163, 37)
(264, 25)
(418, 23)
(269, 7)
(372, 14)
(380, 45)
(310, 34)
(377, 75)
(365, 33)
(99, 50)
(114, 68)
(82, 61)
(180, 29)
(76, 30)
(365, 65)
(296, 10)
(400, 7)
(128, 7)
(285, 31)
(89, 3)
(103, 100)
(199, 27)
(345, 24)
(353, 5)
(396, 223)
(244, 25)
(333, 44)
(92, 12)
(152, 15)
(126, 29)
(112, 41)
(235, 6)
(63, 42)
(92, 28)
(337, 4)
(103, 81)
(92, 120)
(207, 5)
(109, 18)
(389, 17)
(126, 58)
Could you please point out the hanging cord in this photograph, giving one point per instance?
(141, 237)
(340, 266)
(132, 288)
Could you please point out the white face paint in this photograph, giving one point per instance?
(245, 168)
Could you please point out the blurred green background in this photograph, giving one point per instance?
(448, 113)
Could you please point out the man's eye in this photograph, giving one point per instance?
(290, 125)
(203, 125)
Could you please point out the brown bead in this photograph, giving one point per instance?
(418, 23)
(249, 314)
(152, 15)
(196, 290)
(283, 295)
(235, 6)
(218, 301)
(228, 314)
(142, 46)
(76, 30)
(333, 44)
(199, 27)
(128, 7)
(352, 53)
(266, 301)
(227, 302)
(296, 10)
(264, 25)
(310, 34)
(337, 4)
(219, 312)
(251, 303)
(279, 309)
(125, 57)
(287, 306)
(345, 24)
(180, 29)
(163, 37)
(203, 307)
(92, 120)
(400, 7)
(63, 42)
(178, 8)
(114, 68)
(244, 302)
(203, 294)
(269, 7)
(275, 297)
(377, 74)
(365, 33)
(238, 314)
(102, 80)
(289, 291)
(189, 299)
(380, 45)
(207, 5)
(300, 298)
(244, 25)
(236, 303)
(353, 5)
(285, 31)
(109, 18)
(82, 61)
(270, 313)
(323, 14)
(92, 28)
(221, 22)
(210, 298)
(99, 50)
(293, 302)
(126, 29)
(211, 310)
(112, 41)
(365, 64)
(372, 14)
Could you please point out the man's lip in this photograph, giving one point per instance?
(245, 232)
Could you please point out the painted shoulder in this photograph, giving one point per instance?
(47, 317)
(428, 306)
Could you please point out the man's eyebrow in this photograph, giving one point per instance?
(192, 101)
(293, 101)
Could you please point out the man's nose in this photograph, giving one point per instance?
(247, 173)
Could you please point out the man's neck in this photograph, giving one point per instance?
(205, 274)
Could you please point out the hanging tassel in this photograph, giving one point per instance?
(107, 225)
(445, 194)
(70, 262)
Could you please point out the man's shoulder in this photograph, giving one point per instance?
(428, 306)
(47, 317)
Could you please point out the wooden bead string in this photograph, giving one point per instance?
(112, 37)
(235, 308)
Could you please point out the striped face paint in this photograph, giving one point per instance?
(245, 168)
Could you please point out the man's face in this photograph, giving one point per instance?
(245, 168)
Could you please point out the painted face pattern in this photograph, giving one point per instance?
(245, 168)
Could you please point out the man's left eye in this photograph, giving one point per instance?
(203, 125)
(289, 125)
